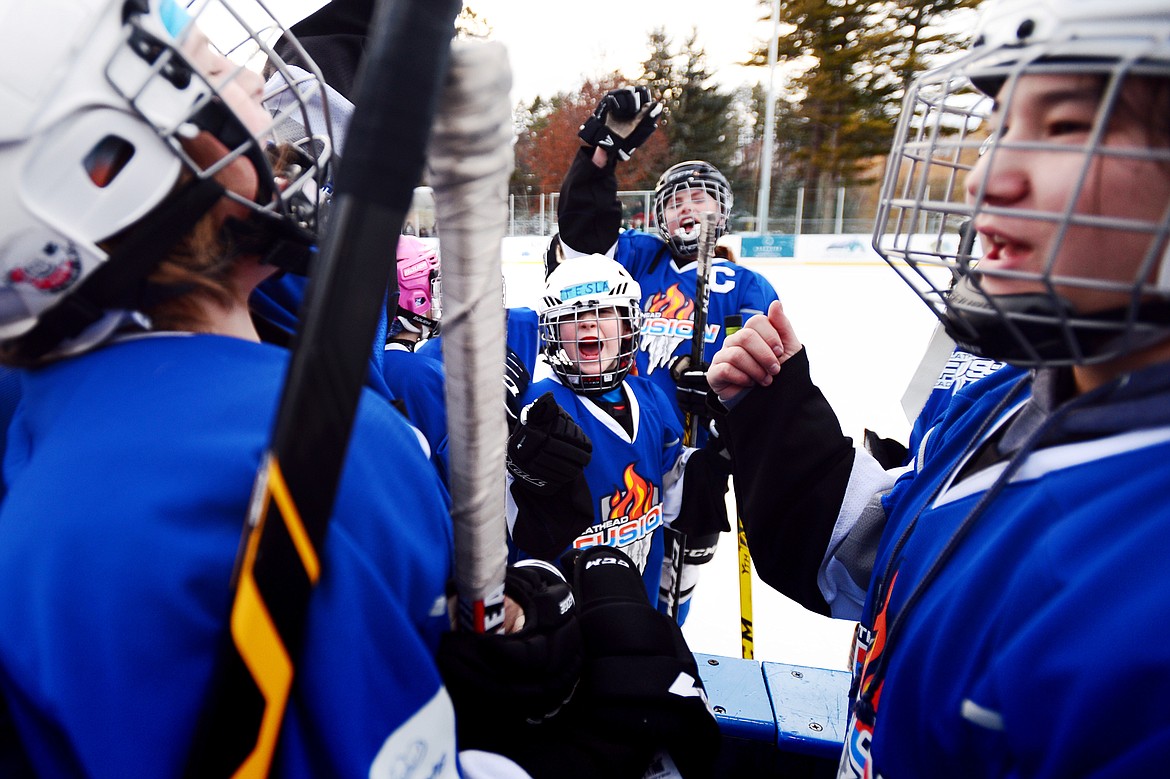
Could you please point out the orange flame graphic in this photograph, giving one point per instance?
(671, 304)
(638, 500)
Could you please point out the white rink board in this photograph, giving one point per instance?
(865, 332)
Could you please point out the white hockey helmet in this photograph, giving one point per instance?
(588, 292)
(91, 144)
(947, 123)
(677, 181)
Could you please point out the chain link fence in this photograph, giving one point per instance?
(795, 211)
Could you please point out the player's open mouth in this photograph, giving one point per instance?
(589, 349)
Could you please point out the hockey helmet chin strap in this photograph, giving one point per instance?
(277, 242)
(284, 243)
(1029, 328)
(120, 282)
(417, 323)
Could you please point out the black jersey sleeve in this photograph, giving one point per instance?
(790, 465)
(589, 213)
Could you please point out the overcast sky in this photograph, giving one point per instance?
(555, 45)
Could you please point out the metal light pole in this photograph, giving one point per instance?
(762, 205)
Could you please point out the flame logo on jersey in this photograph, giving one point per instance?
(671, 304)
(855, 758)
(631, 515)
(667, 321)
(637, 501)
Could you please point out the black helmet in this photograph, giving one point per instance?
(690, 175)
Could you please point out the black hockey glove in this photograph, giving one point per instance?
(504, 686)
(516, 381)
(622, 121)
(640, 692)
(691, 388)
(702, 514)
(547, 449)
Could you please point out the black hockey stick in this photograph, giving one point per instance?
(278, 564)
(707, 235)
(676, 540)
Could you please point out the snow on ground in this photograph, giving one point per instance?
(865, 332)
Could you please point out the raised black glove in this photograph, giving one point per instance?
(691, 388)
(504, 686)
(547, 448)
(622, 121)
(516, 381)
(639, 675)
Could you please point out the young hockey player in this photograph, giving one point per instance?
(123, 292)
(417, 382)
(664, 265)
(416, 317)
(413, 358)
(1024, 551)
(140, 206)
(631, 442)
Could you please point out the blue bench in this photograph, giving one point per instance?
(776, 719)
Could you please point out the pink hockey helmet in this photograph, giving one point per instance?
(418, 286)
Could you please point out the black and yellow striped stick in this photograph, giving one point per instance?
(747, 640)
(395, 99)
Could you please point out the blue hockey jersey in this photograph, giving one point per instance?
(419, 382)
(1014, 596)
(129, 473)
(668, 304)
(635, 481)
(961, 369)
(521, 334)
(277, 303)
(1016, 622)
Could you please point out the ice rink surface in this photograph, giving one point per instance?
(865, 333)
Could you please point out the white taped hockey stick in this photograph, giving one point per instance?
(470, 164)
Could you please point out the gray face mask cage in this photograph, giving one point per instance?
(925, 213)
(602, 362)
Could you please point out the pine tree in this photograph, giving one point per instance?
(912, 39)
(836, 99)
(854, 59)
(695, 112)
(658, 73)
(700, 113)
